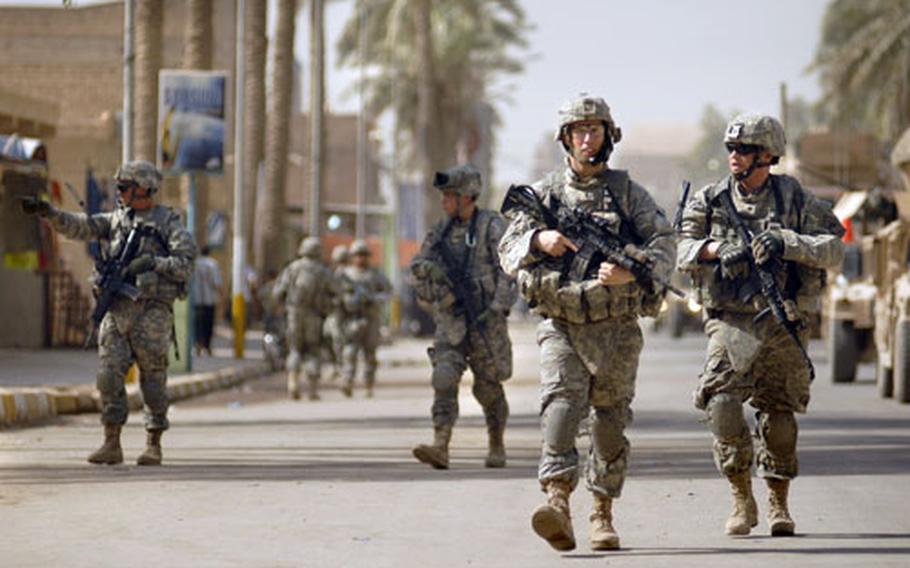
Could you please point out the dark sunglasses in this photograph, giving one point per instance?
(125, 185)
(742, 149)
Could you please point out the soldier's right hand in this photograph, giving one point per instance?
(31, 205)
(553, 243)
(734, 260)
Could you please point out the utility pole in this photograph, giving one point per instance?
(126, 132)
(317, 110)
(238, 308)
(360, 226)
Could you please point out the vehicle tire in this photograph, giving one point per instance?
(843, 351)
(901, 375)
(676, 320)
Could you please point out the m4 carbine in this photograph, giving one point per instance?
(596, 241)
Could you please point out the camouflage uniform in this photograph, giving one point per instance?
(360, 293)
(305, 288)
(484, 346)
(331, 329)
(749, 361)
(137, 331)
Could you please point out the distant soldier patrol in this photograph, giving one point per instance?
(136, 330)
(590, 339)
(457, 272)
(362, 291)
(756, 336)
(305, 288)
(331, 329)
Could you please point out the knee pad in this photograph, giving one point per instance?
(109, 381)
(487, 393)
(560, 420)
(607, 431)
(445, 377)
(778, 430)
(725, 417)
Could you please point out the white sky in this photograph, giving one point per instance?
(656, 62)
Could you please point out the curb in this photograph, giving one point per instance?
(26, 406)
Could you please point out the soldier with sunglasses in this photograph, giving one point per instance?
(751, 356)
(137, 330)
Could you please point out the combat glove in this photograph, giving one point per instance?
(767, 246)
(734, 260)
(34, 206)
(141, 264)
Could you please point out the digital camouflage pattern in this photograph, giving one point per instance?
(586, 107)
(757, 362)
(140, 172)
(305, 287)
(462, 179)
(485, 346)
(590, 340)
(361, 294)
(758, 130)
(137, 331)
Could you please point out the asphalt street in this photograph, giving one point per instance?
(254, 479)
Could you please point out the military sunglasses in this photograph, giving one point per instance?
(126, 185)
(742, 149)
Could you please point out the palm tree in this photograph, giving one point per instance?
(864, 60)
(148, 62)
(317, 113)
(197, 54)
(270, 208)
(432, 62)
(254, 113)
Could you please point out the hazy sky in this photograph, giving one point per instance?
(654, 61)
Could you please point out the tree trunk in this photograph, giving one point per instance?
(317, 115)
(197, 54)
(270, 249)
(254, 113)
(426, 111)
(148, 63)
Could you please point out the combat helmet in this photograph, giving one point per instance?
(758, 130)
(340, 254)
(463, 180)
(310, 247)
(588, 107)
(142, 173)
(359, 247)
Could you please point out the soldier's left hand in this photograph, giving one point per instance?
(141, 264)
(610, 274)
(767, 246)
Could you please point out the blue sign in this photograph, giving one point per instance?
(191, 121)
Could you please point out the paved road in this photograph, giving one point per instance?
(253, 479)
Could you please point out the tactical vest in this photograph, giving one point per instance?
(545, 289)
(798, 282)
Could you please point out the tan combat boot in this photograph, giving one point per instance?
(779, 520)
(496, 454)
(745, 512)
(110, 452)
(603, 535)
(437, 454)
(294, 385)
(152, 453)
(553, 521)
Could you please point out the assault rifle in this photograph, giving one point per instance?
(681, 206)
(763, 277)
(113, 280)
(596, 241)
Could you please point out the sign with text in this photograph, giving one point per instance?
(191, 121)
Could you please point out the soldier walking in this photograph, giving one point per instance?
(305, 288)
(134, 330)
(331, 329)
(590, 339)
(751, 356)
(457, 272)
(362, 292)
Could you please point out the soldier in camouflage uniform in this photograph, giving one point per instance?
(331, 330)
(361, 292)
(750, 360)
(137, 331)
(590, 339)
(305, 288)
(470, 236)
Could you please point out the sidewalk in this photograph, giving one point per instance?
(37, 384)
